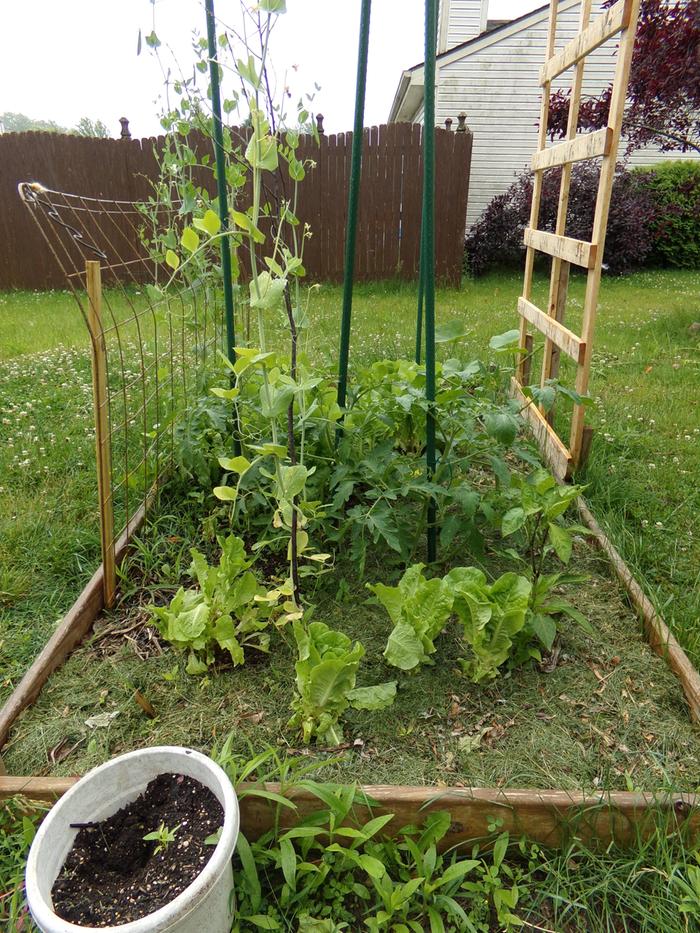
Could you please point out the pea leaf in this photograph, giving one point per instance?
(235, 465)
(172, 259)
(210, 223)
(225, 493)
(189, 239)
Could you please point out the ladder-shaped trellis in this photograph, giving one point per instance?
(620, 18)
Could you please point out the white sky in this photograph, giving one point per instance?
(64, 59)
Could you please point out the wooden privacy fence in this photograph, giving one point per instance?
(390, 197)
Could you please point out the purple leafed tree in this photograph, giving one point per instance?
(663, 97)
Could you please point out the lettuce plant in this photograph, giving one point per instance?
(325, 683)
(419, 609)
(493, 618)
(229, 610)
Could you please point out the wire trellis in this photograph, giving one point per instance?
(151, 350)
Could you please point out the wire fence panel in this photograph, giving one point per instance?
(151, 351)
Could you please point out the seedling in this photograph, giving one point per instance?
(163, 836)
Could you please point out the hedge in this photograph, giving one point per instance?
(654, 217)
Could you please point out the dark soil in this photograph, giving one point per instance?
(112, 876)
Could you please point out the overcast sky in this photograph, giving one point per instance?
(64, 59)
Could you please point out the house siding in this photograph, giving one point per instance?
(497, 87)
(464, 21)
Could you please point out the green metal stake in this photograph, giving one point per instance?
(428, 226)
(421, 295)
(222, 188)
(421, 270)
(353, 199)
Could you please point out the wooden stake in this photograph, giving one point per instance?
(102, 439)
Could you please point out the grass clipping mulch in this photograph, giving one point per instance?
(609, 714)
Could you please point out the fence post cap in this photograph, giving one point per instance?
(126, 132)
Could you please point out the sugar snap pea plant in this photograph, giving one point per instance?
(269, 234)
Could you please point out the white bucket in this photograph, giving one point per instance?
(206, 905)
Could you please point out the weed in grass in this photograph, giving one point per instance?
(17, 829)
(644, 888)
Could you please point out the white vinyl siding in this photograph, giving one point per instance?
(496, 85)
(464, 21)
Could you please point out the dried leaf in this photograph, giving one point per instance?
(145, 704)
(102, 720)
(253, 717)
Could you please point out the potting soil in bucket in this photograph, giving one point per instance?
(113, 875)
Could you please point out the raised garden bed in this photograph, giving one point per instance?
(596, 713)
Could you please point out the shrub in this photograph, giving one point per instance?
(675, 189)
(496, 239)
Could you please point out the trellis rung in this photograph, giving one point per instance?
(575, 150)
(561, 336)
(579, 252)
(603, 27)
(555, 453)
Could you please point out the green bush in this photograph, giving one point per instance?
(675, 189)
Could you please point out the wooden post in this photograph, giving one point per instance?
(103, 451)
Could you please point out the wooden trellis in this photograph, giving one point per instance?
(620, 18)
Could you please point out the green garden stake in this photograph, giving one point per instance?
(421, 270)
(353, 199)
(428, 264)
(222, 188)
(421, 295)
